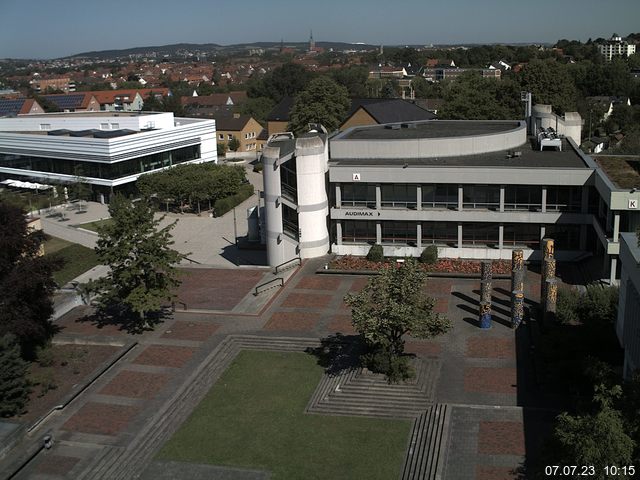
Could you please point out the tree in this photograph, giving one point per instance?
(142, 273)
(354, 79)
(392, 305)
(550, 83)
(80, 189)
(323, 101)
(14, 386)
(26, 281)
(259, 108)
(233, 144)
(597, 440)
(284, 81)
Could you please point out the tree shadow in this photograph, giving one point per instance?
(125, 320)
(338, 353)
(497, 311)
(508, 294)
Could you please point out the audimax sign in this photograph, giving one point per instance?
(360, 213)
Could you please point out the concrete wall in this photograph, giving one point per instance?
(628, 323)
(360, 117)
(312, 163)
(276, 249)
(570, 125)
(85, 121)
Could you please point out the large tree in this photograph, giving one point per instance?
(323, 101)
(26, 281)
(550, 83)
(14, 386)
(142, 275)
(394, 304)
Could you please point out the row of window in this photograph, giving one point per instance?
(107, 171)
(516, 197)
(446, 234)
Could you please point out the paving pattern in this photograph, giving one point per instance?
(471, 403)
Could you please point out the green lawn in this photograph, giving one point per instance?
(78, 259)
(93, 226)
(254, 418)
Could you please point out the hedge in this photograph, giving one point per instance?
(226, 204)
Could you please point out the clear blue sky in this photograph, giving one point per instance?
(55, 28)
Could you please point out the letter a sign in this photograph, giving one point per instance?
(356, 177)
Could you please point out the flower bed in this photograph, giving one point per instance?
(444, 265)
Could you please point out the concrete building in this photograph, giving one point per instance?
(476, 189)
(616, 47)
(111, 150)
(628, 324)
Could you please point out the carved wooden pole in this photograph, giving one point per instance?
(517, 308)
(485, 294)
(551, 300)
(548, 249)
(517, 287)
(485, 315)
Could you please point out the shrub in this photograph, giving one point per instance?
(45, 356)
(222, 149)
(429, 255)
(258, 167)
(567, 306)
(226, 204)
(376, 253)
(395, 368)
(599, 305)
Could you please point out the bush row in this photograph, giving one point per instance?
(224, 205)
(428, 256)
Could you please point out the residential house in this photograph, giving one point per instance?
(19, 106)
(243, 127)
(74, 102)
(376, 111)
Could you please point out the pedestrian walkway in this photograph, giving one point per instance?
(474, 401)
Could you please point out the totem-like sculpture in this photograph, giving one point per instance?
(517, 287)
(485, 294)
(548, 249)
(551, 300)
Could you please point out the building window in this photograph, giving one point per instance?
(564, 199)
(440, 233)
(221, 136)
(290, 222)
(115, 126)
(523, 197)
(521, 235)
(400, 195)
(229, 136)
(104, 126)
(485, 234)
(481, 196)
(358, 195)
(439, 196)
(45, 126)
(566, 237)
(399, 232)
(356, 231)
(289, 180)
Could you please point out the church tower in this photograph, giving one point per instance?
(312, 42)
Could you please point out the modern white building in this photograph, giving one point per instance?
(475, 189)
(616, 47)
(109, 150)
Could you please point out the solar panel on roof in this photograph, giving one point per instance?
(11, 107)
(66, 101)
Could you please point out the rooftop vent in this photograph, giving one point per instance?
(548, 138)
(393, 126)
(408, 125)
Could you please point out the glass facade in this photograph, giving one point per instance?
(564, 199)
(439, 196)
(290, 221)
(481, 196)
(289, 180)
(485, 234)
(400, 195)
(566, 237)
(521, 235)
(522, 197)
(354, 231)
(108, 171)
(359, 195)
(399, 232)
(440, 233)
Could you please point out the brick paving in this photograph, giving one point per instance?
(185, 330)
(491, 380)
(306, 300)
(136, 384)
(216, 289)
(478, 377)
(292, 322)
(501, 438)
(101, 418)
(165, 356)
(56, 465)
(481, 347)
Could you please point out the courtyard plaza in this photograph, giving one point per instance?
(481, 384)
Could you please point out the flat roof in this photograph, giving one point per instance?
(623, 171)
(430, 129)
(101, 113)
(529, 158)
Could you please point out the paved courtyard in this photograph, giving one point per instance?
(113, 429)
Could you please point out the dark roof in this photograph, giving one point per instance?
(11, 108)
(280, 112)
(231, 123)
(390, 110)
(529, 158)
(433, 129)
(66, 101)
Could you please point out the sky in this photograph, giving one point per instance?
(57, 28)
